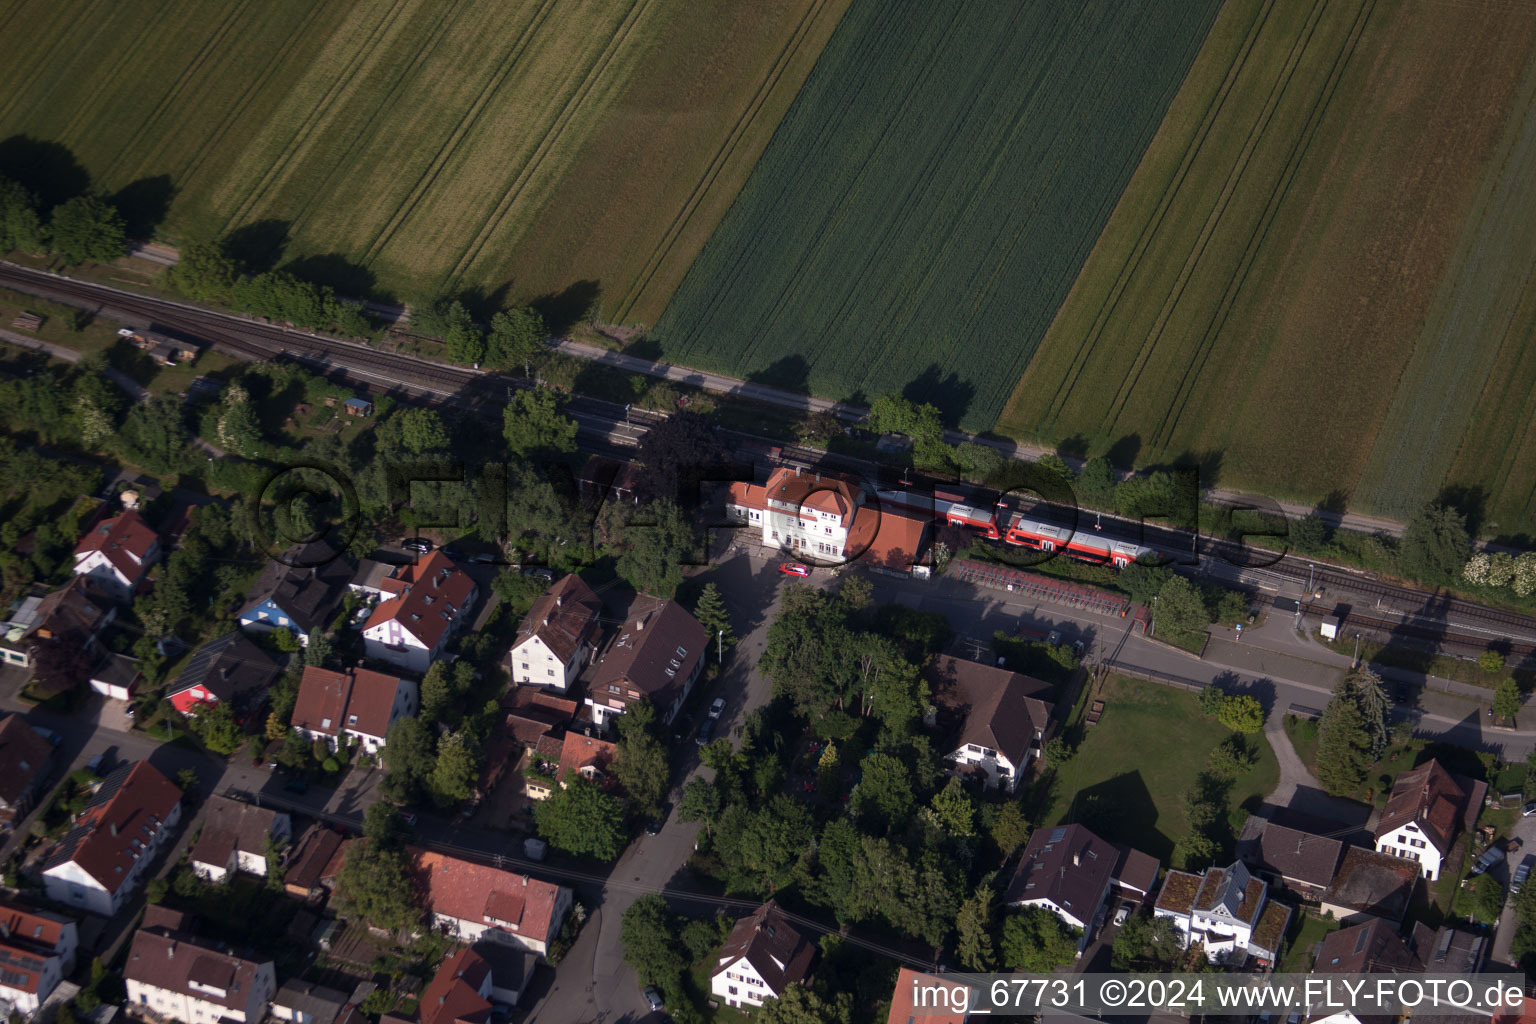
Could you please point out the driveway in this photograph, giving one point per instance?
(1525, 831)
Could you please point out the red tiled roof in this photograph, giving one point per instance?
(173, 962)
(1431, 797)
(903, 1008)
(885, 538)
(23, 752)
(564, 617)
(532, 712)
(747, 495)
(655, 653)
(578, 752)
(814, 492)
(119, 823)
(122, 539)
(21, 968)
(467, 891)
(31, 927)
(373, 698)
(316, 847)
(327, 696)
(454, 993)
(1372, 946)
(425, 592)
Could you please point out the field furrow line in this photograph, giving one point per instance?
(43, 56)
(444, 151)
(1163, 431)
(1154, 224)
(550, 140)
(318, 113)
(722, 156)
(107, 85)
(1208, 229)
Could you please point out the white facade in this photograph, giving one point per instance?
(737, 983)
(191, 1008)
(1410, 843)
(534, 664)
(1063, 913)
(27, 1003)
(390, 641)
(70, 884)
(404, 705)
(477, 931)
(998, 768)
(109, 577)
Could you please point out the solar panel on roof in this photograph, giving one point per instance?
(1365, 933)
(1058, 835)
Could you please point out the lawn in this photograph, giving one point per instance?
(1400, 756)
(1141, 758)
(928, 200)
(401, 145)
(1334, 188)
(1304, 931)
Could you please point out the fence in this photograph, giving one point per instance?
(1016, 581)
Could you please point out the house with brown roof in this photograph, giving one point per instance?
(75, 613)
(356, 702)
(304, 1002)
(1427, 809)
(460, 991)
(1371, 947)
(117, 553)
(37, 951)
(131, 815)
(299, 591)
(307, 864)
(1223, 910)
(930, 999)
(557, 637)
(1068, 871)
(1135, 873)
(177, 977)
(26, 761)
(476, 902)
(1299, 861)
(229, 669)
(424, 603)
(762, 956)
(1370, 884)
(999, 718)
(656, 655)
(235, 837)
(583, 755)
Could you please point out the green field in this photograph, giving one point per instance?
(1140, 759)
(530, 148)
(1318, 278)
(926, 203)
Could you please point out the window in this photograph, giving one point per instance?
(525, 666)
(731, 989)
(351, 719)
(549, 671)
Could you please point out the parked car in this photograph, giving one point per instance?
(706, 732)
(717, 707)
(420, 545)
(540, 573)
(794, 569)
(481, 559)
(1528, 810)
(535, 849)
(1121, 915)
(95, 763)
(1078, 647)
(409, 817)
(653, 827)
(1490, 857)
(1053, 637)
(1521, 874)
(653, 997)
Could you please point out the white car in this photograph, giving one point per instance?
(717, 707)
(1121, 915)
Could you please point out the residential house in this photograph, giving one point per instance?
(424, 602)
(512, 968)
(357, 702)
(999, 716)
(368, 580)
(1371, 947)
(557, 637)
(763, 956)
(533, 711)
(476, 903)
(236, 837)
(304, 1002)
(1224, 910)
(75, 613)
(932, 999)
(1299, 861)
(1370, 885)
(116, 837)
(808, 514)
(311, 855)
(37, 951)
(584, 755)
(460, 991)
(229, 670)
(656, 656)
(299, 591)
(117, 553)
(15, 648)
(117, 677)
(177, 977)
(1426, 810)
(1068, 871)
(26, 761)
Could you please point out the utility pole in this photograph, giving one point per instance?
(1357, 651)
(720, 647)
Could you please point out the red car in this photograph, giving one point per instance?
(794, 569)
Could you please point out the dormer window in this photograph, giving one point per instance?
(351, 719)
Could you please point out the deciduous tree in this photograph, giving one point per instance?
(456, 771)
(1241, 714)
(533, 425)
(87, 228)
(1034, 939)
(581, 819)
(1506, 699)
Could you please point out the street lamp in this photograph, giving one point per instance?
(1357, 651)
(720, 647)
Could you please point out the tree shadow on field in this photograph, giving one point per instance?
(1470, 500)
(144, 204)
(1074, 447)
(349, 280)
(258, 246)
(791, 373)
(565, 309)
(947, 393)
(1207, 467)
(46, 169)
(1124, 452)
(482, 304)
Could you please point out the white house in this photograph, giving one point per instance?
(998, 719)
(178, 978)
(114, 841)
(1067, 870)
(37, 950)
(116, 553)
(304, 1002)
(358, 702)
(1226, 911)
(762, 957)
(1427, 808)
(235, 837)
(478, 903)
(557, 637)
(460, 991)
(808, 514)
(425, 601)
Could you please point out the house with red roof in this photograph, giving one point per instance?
(656, 655)
(460, 991)
(356, 702)
(807, 514)
(117, 553)
(178, 977)
(424, 602)
(583, 755)
(1426, 810)
(931, 999)
(37, 951)
(557, 637)
(131, 815)
(763, 955)
(998, 719)
(476, 902)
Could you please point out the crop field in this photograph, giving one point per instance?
(530, 147)
(1318, 278)
(930, 196)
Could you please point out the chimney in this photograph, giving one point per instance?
(525, 881)
(546, 620)
(557, 600)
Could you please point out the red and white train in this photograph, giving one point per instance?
(1002, 523)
